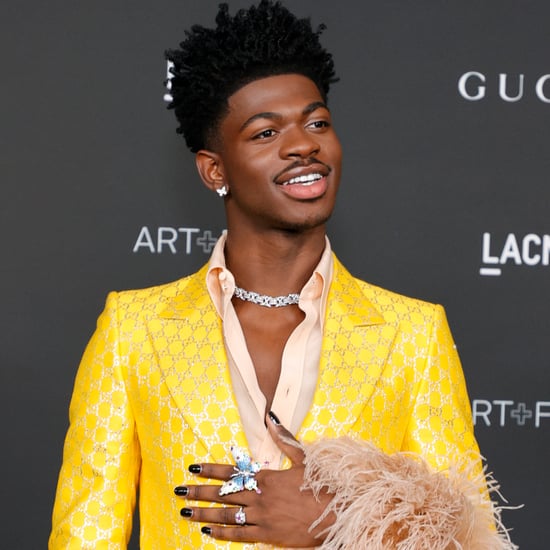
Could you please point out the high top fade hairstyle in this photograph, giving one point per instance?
(212, 64)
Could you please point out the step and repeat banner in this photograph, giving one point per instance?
(443, 109)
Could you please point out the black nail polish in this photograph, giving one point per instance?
(274, 418)
(206, 530)
(181, 491)
(186, 512)
(195, 468)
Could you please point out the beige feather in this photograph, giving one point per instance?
(397, 502)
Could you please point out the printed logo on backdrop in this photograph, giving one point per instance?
(168, 82)
(513, 251)
(505, 412)
(174, 240)
(475, 86)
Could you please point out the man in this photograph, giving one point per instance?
(272, 332)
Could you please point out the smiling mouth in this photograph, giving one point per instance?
(305, 180)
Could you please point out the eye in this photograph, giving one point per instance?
(319, 124)
(264, 134)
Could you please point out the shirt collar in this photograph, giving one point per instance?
(221, 283)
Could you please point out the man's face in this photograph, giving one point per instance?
(279, 155)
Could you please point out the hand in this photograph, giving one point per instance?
(281, 515)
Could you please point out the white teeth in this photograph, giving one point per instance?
(304, 180)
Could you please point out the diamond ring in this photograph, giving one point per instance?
(240, 516)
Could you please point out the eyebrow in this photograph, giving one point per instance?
(277, 116)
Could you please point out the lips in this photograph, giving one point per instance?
(314, 187)
(303, 175)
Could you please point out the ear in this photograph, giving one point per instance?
(210, 167)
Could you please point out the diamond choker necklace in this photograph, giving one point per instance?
(264, 300)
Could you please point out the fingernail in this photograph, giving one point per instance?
(186, 512)
(206, 530)
(181, 491)
(195, 468)
(274, 418)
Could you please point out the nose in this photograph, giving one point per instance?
(299, 142)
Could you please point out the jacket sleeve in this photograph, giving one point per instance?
(440, 427)
(97, 484)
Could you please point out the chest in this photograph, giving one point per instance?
(266, 335)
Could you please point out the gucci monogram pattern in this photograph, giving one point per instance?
(153, 395)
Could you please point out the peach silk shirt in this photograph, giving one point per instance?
(300, 361)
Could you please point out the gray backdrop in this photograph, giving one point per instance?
(445, 197)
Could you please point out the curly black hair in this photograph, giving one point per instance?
(212, 64)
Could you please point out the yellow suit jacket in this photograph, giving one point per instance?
(153, 395)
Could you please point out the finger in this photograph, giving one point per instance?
(246, 533)
(213, 471)
(284, 439)
(211, 493)
(222, 516)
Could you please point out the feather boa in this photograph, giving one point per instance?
(397, 502)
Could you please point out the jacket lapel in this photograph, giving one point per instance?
(355, 348)
(187, 337)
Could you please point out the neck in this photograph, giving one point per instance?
(274, 262)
